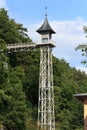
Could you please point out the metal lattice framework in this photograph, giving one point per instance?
(46, 117)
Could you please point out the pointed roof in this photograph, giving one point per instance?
(45, 27)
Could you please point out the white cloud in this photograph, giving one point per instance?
(69, 34)
(3, 4)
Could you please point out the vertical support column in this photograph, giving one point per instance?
(46, 118)
(85, 113)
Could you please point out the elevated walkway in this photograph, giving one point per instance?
(28, 46)
(20, 47)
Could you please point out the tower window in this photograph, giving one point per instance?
(45, 40)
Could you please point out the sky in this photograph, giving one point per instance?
(66, 17)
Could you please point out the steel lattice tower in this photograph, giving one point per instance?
(46, 117)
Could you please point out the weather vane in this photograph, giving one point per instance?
(45, 10)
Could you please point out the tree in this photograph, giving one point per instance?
(14, 110)
(83, 47)
(67, 82)
(11, 31)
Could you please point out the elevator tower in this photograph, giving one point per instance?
(46, 116)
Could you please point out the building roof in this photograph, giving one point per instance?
(81, 97)
(45, 27)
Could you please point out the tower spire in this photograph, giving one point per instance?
(45, 10)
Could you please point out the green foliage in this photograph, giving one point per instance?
(10, 31)
(83, 48)
(13, 104)
(70, 81)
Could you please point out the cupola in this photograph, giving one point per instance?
(46, 31)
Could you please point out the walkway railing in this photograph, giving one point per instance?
(27, 46)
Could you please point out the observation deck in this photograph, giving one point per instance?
(49, 43)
